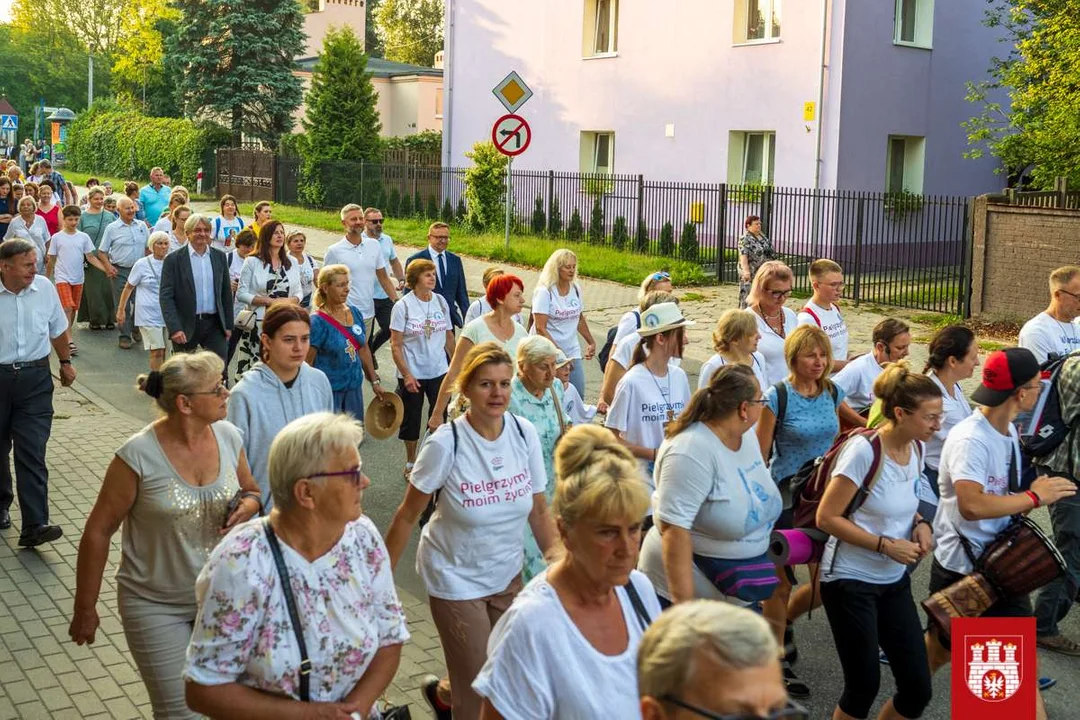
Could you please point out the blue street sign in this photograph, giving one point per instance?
(9, 122)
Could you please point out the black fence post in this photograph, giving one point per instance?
(860, 209)
(550, 201)
(640, 206)
(966, 279)
(766, 210)
(721, 234)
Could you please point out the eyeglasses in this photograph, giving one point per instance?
(791, 711)
(779, 294)
(658, 276)
(835, 285)
(354, 475)
(1071, 294)
(218, 391)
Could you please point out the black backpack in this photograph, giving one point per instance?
(1048, 428)
(609, 343)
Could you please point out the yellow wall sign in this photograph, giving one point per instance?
(809, 111)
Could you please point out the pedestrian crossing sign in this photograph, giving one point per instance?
(9, 122)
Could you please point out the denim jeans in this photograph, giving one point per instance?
(1057, 598)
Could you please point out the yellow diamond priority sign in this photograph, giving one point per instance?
(512, 92)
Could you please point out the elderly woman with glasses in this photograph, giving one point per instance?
(708, 659)
(177, 487)
(771, 289)
(535, 396)
(309, 588)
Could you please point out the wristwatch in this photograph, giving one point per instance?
(65, 362)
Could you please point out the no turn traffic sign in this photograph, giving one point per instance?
(511, 135)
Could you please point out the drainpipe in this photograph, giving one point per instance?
(448, 83)
(820, 121)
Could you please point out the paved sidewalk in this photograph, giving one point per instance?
(42, 673)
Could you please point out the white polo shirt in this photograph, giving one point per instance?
(362, 259)
(28, 320)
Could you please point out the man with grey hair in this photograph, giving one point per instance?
(705, 658)
(123, 242)
(31, 319)
(196, 293)
(367, 263)
(155, 196)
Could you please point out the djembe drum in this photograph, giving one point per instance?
(1019, 560)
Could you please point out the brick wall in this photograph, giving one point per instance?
(1015, 249)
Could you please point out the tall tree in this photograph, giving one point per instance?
(411, 30)
(372, 44)
(96, 24)
(1030, 101)
(139, 76)
(236, 61)
(342, 120)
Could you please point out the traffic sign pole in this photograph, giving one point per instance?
(509, 194)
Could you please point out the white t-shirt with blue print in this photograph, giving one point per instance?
(809, 428)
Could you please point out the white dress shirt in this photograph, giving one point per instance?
(435, 256)
(28, 320)
(125, 243)
(202, 271)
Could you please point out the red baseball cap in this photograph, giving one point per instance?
(1003, 373)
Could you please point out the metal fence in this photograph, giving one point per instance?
(896, 249)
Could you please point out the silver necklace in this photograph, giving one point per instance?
(670, 413)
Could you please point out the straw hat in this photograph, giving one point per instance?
(383, 417)
(662, 317)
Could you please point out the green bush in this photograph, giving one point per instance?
(418, 204)
(688, 243)
(393, 203)
(484, 186)
(539, 218)
(555, 222)
(596, 222)
(424, 141)
(620, 234)
(125, 143)
(462, 213)
(432, 208)
(574, 230)
(667, 240)
(406, 207)
(447, 212)
(641, 238)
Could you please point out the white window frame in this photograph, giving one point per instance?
(743, 10)
(911, 167)
(922, 24)
(590, 44)
(739, 156)
(590, 152)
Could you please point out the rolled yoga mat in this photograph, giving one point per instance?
(794, 547)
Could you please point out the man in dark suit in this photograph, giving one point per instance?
(196, 293)
(449, 272)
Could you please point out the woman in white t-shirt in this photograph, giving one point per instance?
(558, 312)
(954, 355)
(177, 232)
(145, 276)
(421, 338)
(567, 647)
(659, 281)
(481, 306)
(309, 269)
(652, 393)
(864, 587)
(505, 293)
(177, 198)
(622, 354)
(716, 503)
(735, 341)
(227, 224)
(770, 290)
(488, 469)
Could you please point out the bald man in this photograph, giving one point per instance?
(123, 243)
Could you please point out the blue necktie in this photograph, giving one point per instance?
(442, 269)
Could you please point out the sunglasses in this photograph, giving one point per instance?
(354, 475)
(791, 711)
(375, 221)
(658, 276)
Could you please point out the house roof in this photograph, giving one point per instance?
(379, 67)
(7, 109)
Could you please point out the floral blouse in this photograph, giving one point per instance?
(542, 413)
(757, 249)
(346, 600)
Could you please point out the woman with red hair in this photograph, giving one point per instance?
(506, 294)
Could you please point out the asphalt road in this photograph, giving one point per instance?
(110, 373)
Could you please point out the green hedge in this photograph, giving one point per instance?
(125, 143)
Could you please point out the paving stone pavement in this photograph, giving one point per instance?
(45, 675)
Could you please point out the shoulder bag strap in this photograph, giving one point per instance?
(639, 607)
(558, 411)
(294, 617)
(809, 311)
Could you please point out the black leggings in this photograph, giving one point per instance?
(414, 406)
(864, 616)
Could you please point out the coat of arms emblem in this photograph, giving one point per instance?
(993, 670)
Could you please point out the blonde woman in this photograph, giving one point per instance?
(567, 647)
(481, 306)
(735, 341)
(659, 281)
(770, 290)
(177, 198)
(145, 275)
(558, 312)
(622, 354)
(178, 233)
(488, 467)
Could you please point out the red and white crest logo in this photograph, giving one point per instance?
(993, 666)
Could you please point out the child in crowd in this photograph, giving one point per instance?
(574, 407)
(68, 248)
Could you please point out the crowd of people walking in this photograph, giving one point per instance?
(580, 561)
